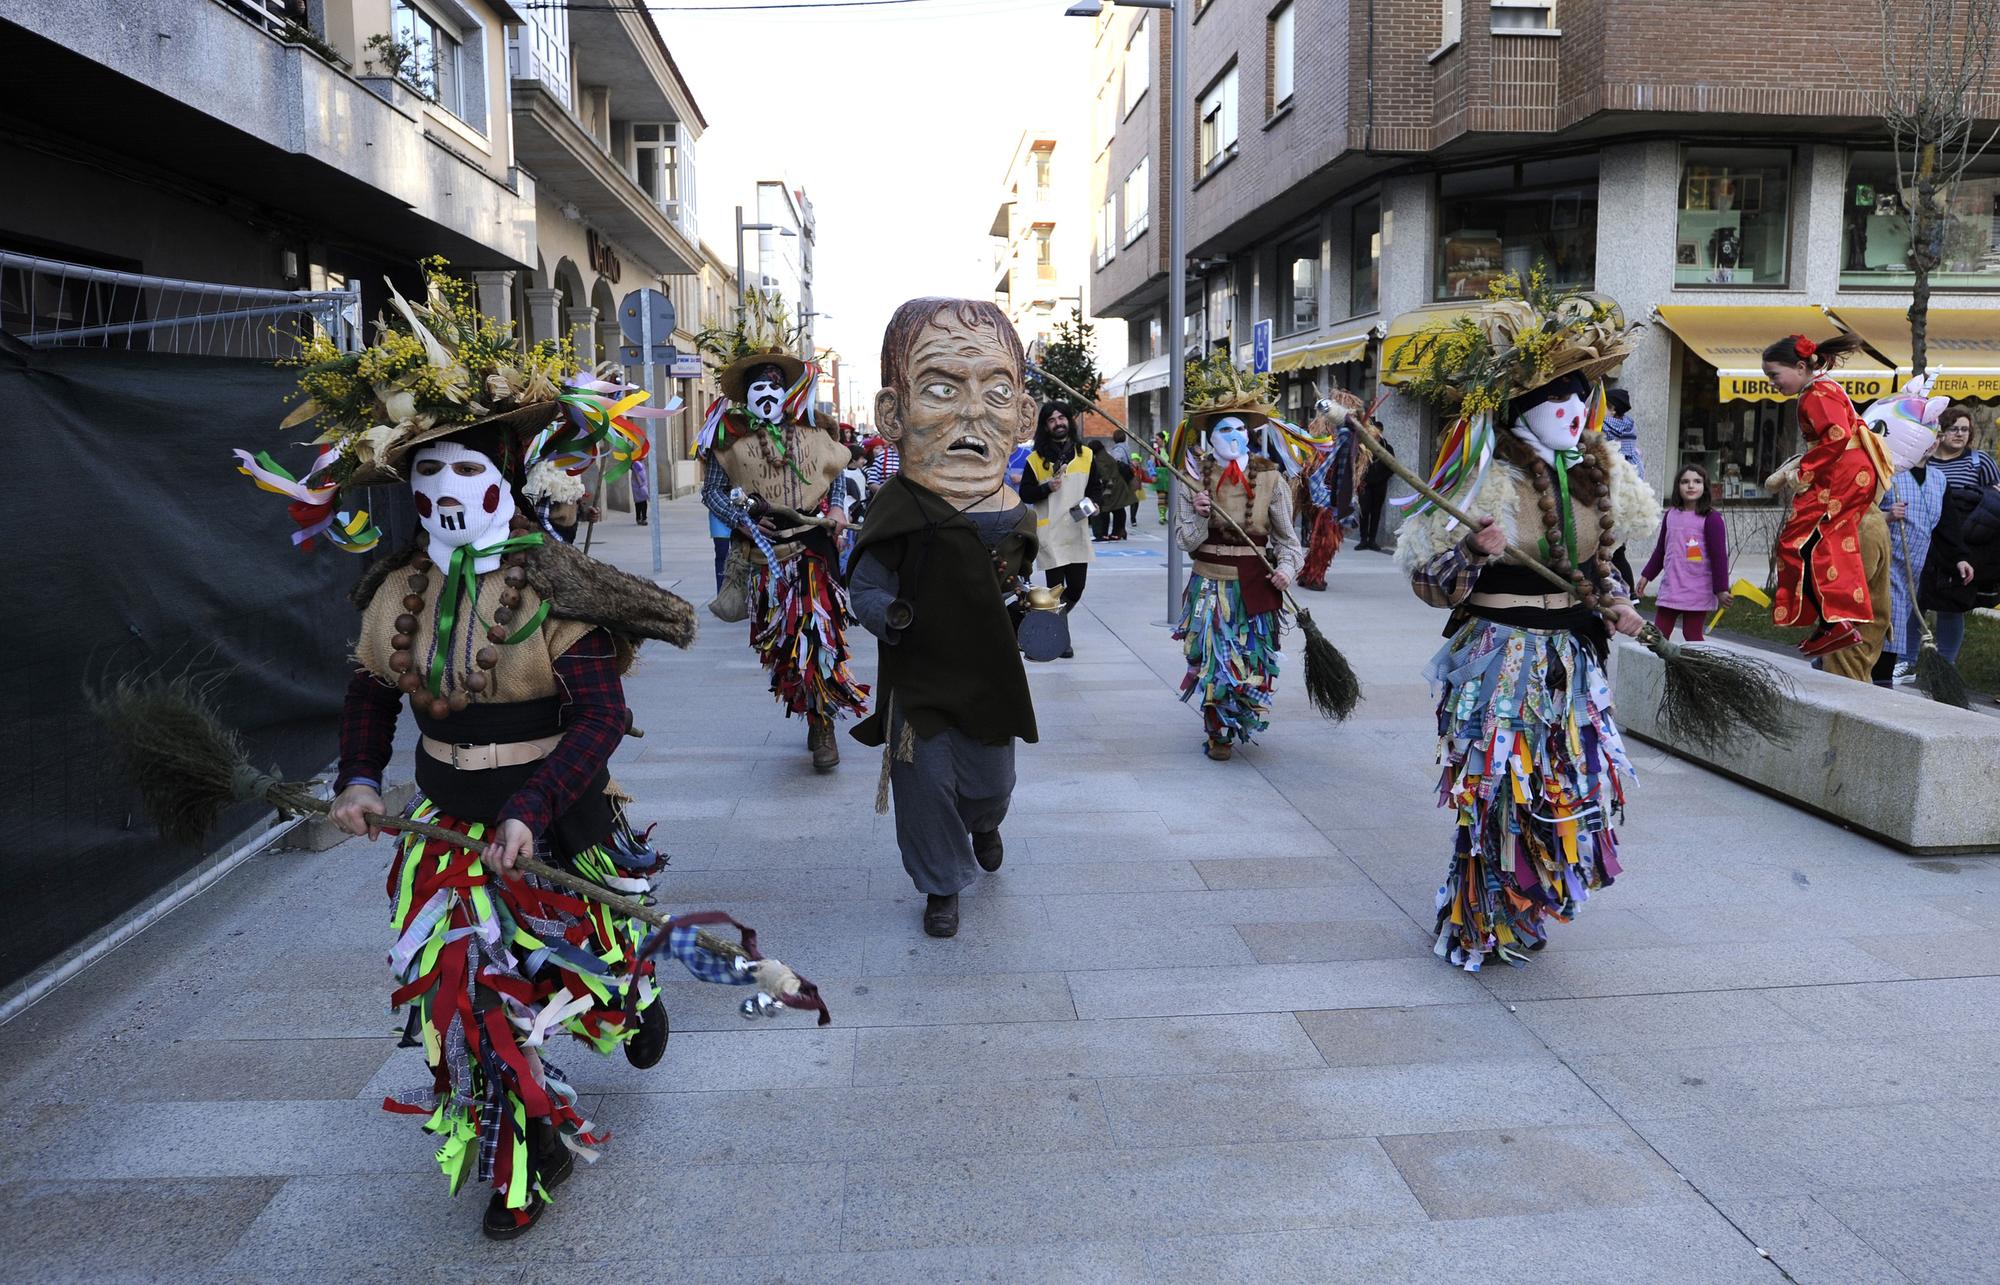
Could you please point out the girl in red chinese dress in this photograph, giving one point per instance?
(1821, 580)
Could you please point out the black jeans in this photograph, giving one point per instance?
(1371, 517)
(1070, 580)
(639, 508)
(1118, 524)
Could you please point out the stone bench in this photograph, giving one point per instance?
(1891, 764)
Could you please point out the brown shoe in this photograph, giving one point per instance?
(825, 748)
(1220, 751)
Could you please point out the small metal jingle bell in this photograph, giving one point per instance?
(742, 966)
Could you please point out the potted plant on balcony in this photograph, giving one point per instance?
(398, 71)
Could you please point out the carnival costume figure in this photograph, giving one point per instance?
(1533, 767)
(946, 544)
(509, 647)
(1245, 545)
(1327, 496)
(776, 490)
(1822, 577)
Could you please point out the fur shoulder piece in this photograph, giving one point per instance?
(1259, 464)
(377, 572)
(1502, 494)
(579, 587)
(1635, 510)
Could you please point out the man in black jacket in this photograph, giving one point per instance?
(944, 543)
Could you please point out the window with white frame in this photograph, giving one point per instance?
(1280, 44)
(1523, 15)
(1044, 172)
(539, 50)
(653, 167)
(1217, 115)
(1107, 229)
(1138, 69)
(1105, 126)
(1138, 199)
(447, 67)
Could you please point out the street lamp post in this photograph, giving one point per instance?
(741, 228)
(1177, 186)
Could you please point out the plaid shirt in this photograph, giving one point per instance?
(594, 719)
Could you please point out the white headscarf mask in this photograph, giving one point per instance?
(463, 502)
(1553, 427)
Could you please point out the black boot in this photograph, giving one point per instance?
(986, 850)
(941, 915)
(550, 1162)
(649, 1043)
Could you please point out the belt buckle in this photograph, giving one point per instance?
(456, 747)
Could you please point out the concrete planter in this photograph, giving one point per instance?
(1891, 764)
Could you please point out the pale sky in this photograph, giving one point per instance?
(898, 121)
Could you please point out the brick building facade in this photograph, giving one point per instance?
(1357, 166)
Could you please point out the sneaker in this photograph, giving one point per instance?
(1905, 676)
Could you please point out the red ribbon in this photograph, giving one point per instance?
(1234, 473)
(1803, 346)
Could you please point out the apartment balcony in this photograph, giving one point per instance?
(1507, 85)
(215, 93)
(552, 144)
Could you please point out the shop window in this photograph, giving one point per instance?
(1298, 285)
(1512, 218)
(1364, 266)
(1735, 218)
(1738, 443)
(1876, 244)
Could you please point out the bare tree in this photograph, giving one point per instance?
(1938, 59)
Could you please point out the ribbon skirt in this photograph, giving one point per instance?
(1232, 658)
(489, 970)
(1535, 772)
(799, 628)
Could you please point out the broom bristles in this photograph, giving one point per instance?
(189, 766)
(1331, 685)
(1939, 679)
(1712, 697)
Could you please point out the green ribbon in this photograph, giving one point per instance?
(1564, 462)
(461, 585)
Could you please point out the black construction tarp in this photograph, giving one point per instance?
(132, 543)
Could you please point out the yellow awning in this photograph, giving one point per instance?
(1330, 352)
(1963, 344)
(1733, 341)
(1396, 344)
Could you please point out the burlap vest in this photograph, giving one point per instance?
(1249, 509)
(752, 462)
(526, 670)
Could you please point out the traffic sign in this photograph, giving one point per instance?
(640, 307)
(1260, 348)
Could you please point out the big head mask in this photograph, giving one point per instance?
(1551, 419)
(462, 499)
(765, 394)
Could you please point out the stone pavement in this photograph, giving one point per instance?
(1192, 1031)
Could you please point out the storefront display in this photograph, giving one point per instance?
(1876, 228)
(1513, 218)
(1734, 222)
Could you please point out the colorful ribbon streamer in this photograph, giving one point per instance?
(311, 501)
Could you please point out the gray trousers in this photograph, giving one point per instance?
(954, 788)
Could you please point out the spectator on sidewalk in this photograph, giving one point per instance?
(1374, 493)
(884, 462)
(1122, 450)
(1693, 553)
(1621, 431)
(1913, 504)
(1965, 471)
(1114, 479)
(1962, 572)
(642, 488)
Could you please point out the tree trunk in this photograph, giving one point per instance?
(1923, 254)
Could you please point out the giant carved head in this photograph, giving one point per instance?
(953, 396)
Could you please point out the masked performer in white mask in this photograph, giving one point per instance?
(771, 478)
(1533, 767)
(1245, 545)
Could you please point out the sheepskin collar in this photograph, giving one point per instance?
(1507, 495)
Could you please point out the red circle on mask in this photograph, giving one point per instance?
(423, 505)
(492, 500)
